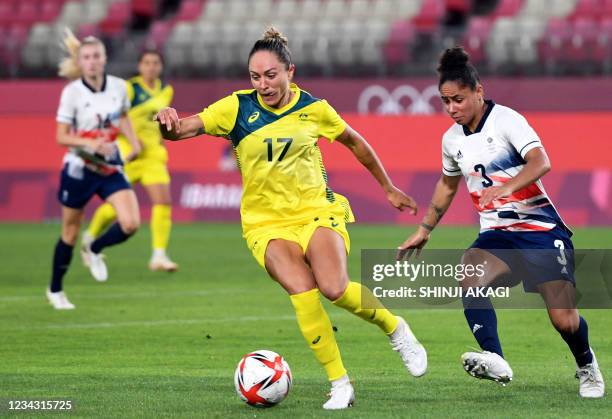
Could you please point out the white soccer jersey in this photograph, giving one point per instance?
(94, 114)
(491, 156)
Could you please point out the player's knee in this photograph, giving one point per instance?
(565, 322)
(130, 225)
(333, 291)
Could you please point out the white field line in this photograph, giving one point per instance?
(145, 294)
(148, 323)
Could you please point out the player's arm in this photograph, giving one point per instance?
(368, 158)
(537, 165)
(174, 128)
(66, 138)
(443, 195)
(125, 126)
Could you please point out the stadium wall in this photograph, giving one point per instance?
(580, 183)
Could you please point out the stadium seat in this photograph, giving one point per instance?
(239, 11)
(551, 47)
(49, 10)
(158, 34)
(603, 48)
(429, 16)
(582, 45)
(475, 38)
(260, 11)
(26, 13)
(359, 9)
(507, 8)
(189, 10)
(398, 47)
(213, 11)
(589, 9)
(116, 19)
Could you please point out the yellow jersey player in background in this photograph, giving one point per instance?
(147, 94)
(294, 224)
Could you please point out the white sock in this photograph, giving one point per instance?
(341, 381)
(159, 253)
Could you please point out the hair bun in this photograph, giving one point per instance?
(453, 58)
(272, 33)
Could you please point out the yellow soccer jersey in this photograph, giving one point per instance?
(284, 180)
(146, 102)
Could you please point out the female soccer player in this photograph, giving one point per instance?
(502, 160)
(292, 221)
(147, 94)
(92, 111)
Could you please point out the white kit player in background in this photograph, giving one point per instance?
(92, 112)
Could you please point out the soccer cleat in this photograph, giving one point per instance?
(342, 395)
(96, 264)
(86, 241)
(487, 365)
(162, 263)
(591, 381)
(59, 301)
(413, 354)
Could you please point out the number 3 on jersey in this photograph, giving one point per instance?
(286, 141)
(487, 180)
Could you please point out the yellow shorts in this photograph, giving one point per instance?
(147, 172)
(258, 239)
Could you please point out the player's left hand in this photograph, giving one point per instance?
(401, 201)
(492, 193)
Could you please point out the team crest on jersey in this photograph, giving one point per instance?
(489, 140)
(254, 116)
(303, 116)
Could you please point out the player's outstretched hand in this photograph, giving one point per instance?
(416, 241)
(492, 193)
(401, 201)
(170, 119)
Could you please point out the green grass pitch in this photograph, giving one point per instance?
(150, 345)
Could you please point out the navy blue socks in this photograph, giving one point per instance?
(578, 343)
(481, 318)
(61, 260)
(114, 235)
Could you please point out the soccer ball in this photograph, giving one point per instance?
(262, 378)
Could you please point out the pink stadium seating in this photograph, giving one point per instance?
(158, 34)
(430, 15)
(553, 42)
(27, 12)
(397, 49)
(475, 38)
(507, 8)
(590, 9)
(116, 19)
(189, 10)
(50, 10)
(583, 41)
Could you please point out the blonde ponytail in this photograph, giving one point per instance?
(69, 65)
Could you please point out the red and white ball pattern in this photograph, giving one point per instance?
(262, 378)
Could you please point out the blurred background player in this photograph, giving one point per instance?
(502, 160)
(147, 94)
(292, 222)
(92, 111)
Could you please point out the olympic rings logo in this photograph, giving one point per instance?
(391, 103)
